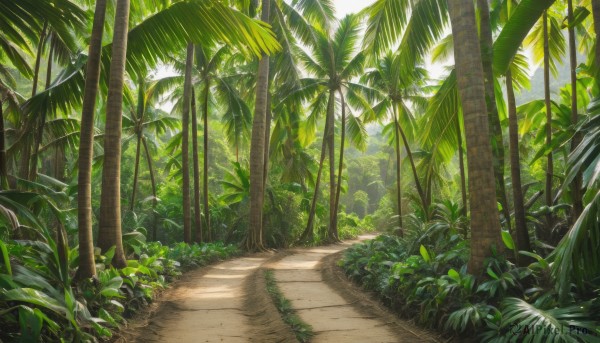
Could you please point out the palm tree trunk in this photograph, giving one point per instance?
(40, 128)
(3, 168)
(205, 165)
(486, 44)
(136, 169)
(254, 240)
(424, 198)
(461, 167)
(269, 118)
(109, 232)
(197, 214)
(577, 183)
(87, 266)
(550, 162)
(515, 171)
(153, 184)
(338, 190)
(185, 165)
(26, 146)
(485, 226)
(596, 16)
(398, 173)
(308, 233)
(331, 149)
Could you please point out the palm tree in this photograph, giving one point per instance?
(485, 226)
(254, 241)
(187, 97)
(87, 266)
(109, 232)
(399, 87)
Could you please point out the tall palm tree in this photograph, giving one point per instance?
(109, 232)
(185, 129)
(87, 266)
(485, 226)
(254, 240)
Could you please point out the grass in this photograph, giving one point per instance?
(302, 330)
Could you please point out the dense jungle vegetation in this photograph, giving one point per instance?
(139, 139)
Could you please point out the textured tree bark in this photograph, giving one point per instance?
(254, 240)
(577, 183)
(485, 226)
(338, 188)
(596, 16)
(153, 184)
(398, 173)
(461, 167)
(205, 164)
(185, 162)
(109, 232)
(87, 266)
(269, 118)
(332, 228)
(515, 172)
(197, 214)
(487, 47)
(139, 119)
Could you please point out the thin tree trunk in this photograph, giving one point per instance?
(267, 140)
(515, 171)
(461, 167)
(139, 120)
(153, 183)
(254, 240)
(205, 164)
(87, 266)
(197, 200)
(40, 128)
(331, 149)
(485, 226)
(3, 168)
(109, 233)
(486, 44)
(185, 166)
(308, 234)
(422, 195)
(550, 162)
(577, 183)
(398, 173)
(26, 148)
(596, 16)
(338, 189)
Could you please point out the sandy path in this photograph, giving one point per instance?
(205, 306)
(333, 317)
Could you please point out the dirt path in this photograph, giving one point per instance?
(205, 306)
(334, 316)
(228, 302)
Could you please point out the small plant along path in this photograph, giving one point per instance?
(335, 317)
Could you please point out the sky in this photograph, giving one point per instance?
(344, 7)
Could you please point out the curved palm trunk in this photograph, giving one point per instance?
(550, 162)
(109, 233)
(461, 167)
(485, 226)
(3, 168)
(338, 189)
(576, 185)
(398, 173)
(486, 43)
(153, 184)
(187, 94)
(139, 119)
(515, 170)
(205, 161)
(197, 214)
(332, 229)
(254, 240)
(308, 233)
(40, 129)
(424, 198)
(87, 267)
